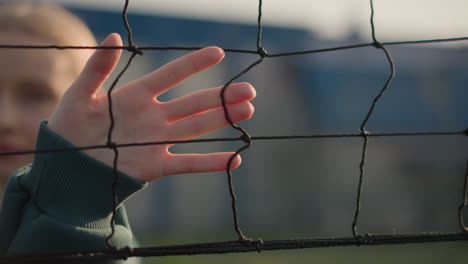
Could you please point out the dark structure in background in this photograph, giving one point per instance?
(307, 188)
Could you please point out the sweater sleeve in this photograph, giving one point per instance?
(63, 202)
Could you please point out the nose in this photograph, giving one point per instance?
(8, 113)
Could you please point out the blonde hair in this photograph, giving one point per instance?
(51, 23)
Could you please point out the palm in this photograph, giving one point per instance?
(140, 117)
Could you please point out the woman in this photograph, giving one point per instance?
(63, 201)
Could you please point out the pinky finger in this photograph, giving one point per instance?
(197, 163)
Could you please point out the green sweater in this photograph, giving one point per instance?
(63, 202)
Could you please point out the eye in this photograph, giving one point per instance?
(35, 93)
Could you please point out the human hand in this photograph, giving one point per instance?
(82, 115)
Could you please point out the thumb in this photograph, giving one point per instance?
(98, 68)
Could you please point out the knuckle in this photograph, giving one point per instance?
(171, 75)
(189, 64)
(196, 126)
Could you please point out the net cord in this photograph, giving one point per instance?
(134, 50)
(245, 136)
(253, 138)
(236, 246)
(362, 128)
(230, 50)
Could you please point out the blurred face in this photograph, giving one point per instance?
(31, 84)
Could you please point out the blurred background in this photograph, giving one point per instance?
(306, 188)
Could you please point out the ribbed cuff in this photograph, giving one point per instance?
(71, 186)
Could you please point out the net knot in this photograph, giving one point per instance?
(365, 133)
(134, 49)
(244, 239)
(123, 253)
(246, 138)
(262, 52)
(377, 44)
(111, 144)
(127, 252)
(300, 244)
(259, 245)
(362, 239)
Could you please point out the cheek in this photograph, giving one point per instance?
(32, 117)
(42, 109)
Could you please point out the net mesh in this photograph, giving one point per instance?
(244, 243)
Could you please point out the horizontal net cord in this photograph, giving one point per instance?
(237, 246)
(143, 48)
(285, 137)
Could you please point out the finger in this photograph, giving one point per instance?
(98, 68)
(204, 123)
(178, 70)
(207, 99)
(196, 163)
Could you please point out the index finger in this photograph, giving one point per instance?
(176, 71)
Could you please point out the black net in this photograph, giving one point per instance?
(244, 243)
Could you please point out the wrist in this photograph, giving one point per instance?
(72, 186)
